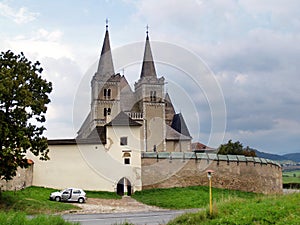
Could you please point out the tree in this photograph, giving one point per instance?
(23, 100)
(235, 148)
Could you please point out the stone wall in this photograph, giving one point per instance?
(22, 180)
(251, 174)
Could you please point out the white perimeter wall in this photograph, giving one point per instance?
(91, 166)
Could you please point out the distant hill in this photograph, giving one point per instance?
(270, 156)
(291, 156)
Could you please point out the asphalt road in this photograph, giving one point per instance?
(137, 218)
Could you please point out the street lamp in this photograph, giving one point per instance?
(209, 175)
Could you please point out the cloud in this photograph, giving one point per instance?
(19, 16)
(60, 68)
(41, 43)
(65, 75)
(250, 45)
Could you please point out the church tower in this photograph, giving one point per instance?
(149, 92)
(148, 106)
(105, 84)
(105, 94)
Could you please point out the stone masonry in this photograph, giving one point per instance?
(251, 174)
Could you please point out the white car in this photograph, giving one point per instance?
(69, 195)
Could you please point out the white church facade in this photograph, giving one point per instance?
(122, 125)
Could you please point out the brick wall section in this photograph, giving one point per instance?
(251, 175)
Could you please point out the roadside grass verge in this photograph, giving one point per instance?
(188, 197)
(18, 218)
(283, 210)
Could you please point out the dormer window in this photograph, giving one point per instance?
(153, 96)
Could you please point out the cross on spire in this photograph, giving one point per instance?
(148, 67)
(106, 22)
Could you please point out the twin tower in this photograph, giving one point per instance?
(114, 103)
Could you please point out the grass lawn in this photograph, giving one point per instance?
(35, 200)
(18, 218)
(32, 200)
(102, 194)
(15, 205)
(291, 176)
(284, 209)
(186, 198)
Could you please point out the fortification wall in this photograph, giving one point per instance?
(251, 174)
(22, 180)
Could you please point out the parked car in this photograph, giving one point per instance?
(69, 195)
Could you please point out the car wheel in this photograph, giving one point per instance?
(57, 198)
(81, 200)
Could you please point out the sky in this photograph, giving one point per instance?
(250, 48)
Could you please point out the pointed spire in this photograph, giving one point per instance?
(106, 66)
(148, 67)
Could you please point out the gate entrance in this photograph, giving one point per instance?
(124, 186)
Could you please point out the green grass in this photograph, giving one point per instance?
(32, 200)
(35, 200)
(188, 197)
(18, 218)
(283, 210)
(291, 176)
(15, 205)
(102, 194)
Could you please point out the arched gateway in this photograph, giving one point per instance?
(124, 186)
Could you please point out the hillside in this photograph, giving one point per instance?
(291, 156)
(270, 156)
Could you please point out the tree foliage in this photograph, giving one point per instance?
(23, 99)
(235, 148)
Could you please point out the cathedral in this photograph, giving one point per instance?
(133, 140)
(149, 107)
(121, 127)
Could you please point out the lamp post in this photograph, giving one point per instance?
(209, 175)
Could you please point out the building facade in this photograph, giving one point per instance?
(134, 139)
(121, 125)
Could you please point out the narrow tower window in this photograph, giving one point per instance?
(107, 93)
(153, 96)
(107, 111)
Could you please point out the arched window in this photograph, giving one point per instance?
(107, 111)
(126, 155)
(107, 93)
(153, 96)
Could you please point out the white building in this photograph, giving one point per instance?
(122, 123)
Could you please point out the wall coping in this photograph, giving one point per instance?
(208, 156)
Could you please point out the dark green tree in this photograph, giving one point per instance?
(235, 148)
(23, 99)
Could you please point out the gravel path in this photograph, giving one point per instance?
(126, 204)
